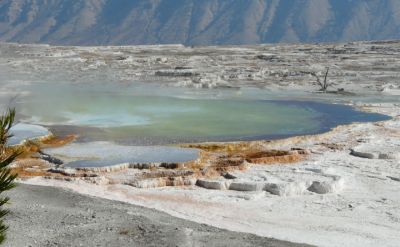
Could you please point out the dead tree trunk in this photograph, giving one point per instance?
(323, 84)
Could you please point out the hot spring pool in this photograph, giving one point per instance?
(129, 124)
(143, 117)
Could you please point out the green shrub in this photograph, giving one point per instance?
(6, 177)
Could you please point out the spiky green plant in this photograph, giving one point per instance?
(6, 122)
(6, 177)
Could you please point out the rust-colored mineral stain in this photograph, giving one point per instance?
(58, 141)
(28, 149)
(215, 159)
(26, 164)
(30, 167)
(275, 156)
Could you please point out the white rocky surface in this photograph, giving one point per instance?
(373, 149)
(366, 66)
(331, 199)
(278, 181)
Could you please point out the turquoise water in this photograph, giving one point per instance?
(156, 115)
(129, 123)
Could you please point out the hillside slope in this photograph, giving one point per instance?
(193, 22)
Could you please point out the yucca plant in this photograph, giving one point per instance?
(6, 122)
(6, 177)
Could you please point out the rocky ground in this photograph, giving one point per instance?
(47, 216)
(367, 66)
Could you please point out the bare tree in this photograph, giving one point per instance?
(323, 84)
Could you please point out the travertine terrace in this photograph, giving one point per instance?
(372, 66)
(334, 189)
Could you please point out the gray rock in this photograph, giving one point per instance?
(367, 155)
(324, 187)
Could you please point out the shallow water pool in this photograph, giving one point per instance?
(120, 123)
(142, 117)
(100, 154)
(21, 132)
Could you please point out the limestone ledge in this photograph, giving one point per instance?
(334, 185)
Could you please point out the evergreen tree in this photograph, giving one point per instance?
(6, 158)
